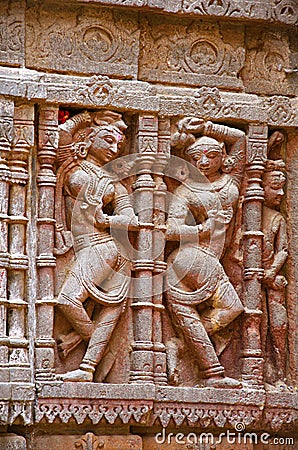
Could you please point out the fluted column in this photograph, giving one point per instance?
(252, 358)
(46, 182)
(6, 136)
(161, 159)
(18, 260)
(142, 354)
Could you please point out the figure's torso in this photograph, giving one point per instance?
(86, 187)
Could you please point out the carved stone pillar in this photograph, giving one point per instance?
(46, 181)
(18, 260)
(252, 360)
(142, 355)
(164, 149)
(6, 135)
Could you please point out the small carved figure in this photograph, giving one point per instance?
(85, 192)
(275, 252)
(200, 297)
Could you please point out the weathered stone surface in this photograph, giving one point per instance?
(268, 64)
(11, 441)
(283, 11)
(12, 32)
(141, 96)
(88, 441)
(185, 52)
(82, 40)
(292, 193)
(151, 292)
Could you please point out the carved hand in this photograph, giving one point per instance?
(192, 125)
(100, 218)
(269, 276)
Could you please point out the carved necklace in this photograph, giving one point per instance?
(97, 185)
(213, 186)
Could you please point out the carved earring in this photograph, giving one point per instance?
(228, 164)
(81, 150)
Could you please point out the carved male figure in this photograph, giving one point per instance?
(200, 297)
(274, 256)
(100, 271)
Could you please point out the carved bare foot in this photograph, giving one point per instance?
(223, 383)
(68, 342)
(78, 375)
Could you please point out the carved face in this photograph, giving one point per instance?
(208, 159)
(206, 154)
(106, 143)
(273, 189)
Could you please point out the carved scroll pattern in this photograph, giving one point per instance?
(182, 52)
(81, 39)
(267, 63)
(12, 26)
(282, 10)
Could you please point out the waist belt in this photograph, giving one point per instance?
(89, 240)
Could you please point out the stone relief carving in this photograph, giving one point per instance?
(200, 297)
(279, 109)
(181, 52)
(100, 271)
(82, 40)
(275, 252)
(93, 42)
(284, 11)
(12, 32)
(204, 278)
(267, 57)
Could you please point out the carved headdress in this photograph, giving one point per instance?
(76, 137)
(275, 171)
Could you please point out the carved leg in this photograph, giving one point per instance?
(70, 303)
(94, 263)
(226, 306)
(68, 342)
(195, 334)
(278, 329)
(103, 328)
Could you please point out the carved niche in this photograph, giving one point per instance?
(168, 266)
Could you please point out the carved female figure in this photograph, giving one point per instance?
(100, 271)
(200, 297)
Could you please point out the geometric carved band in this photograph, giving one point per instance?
(18, 262)
(160, 266)
(46, 261)
(253, 272)
(253, 234)
(143, 265)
